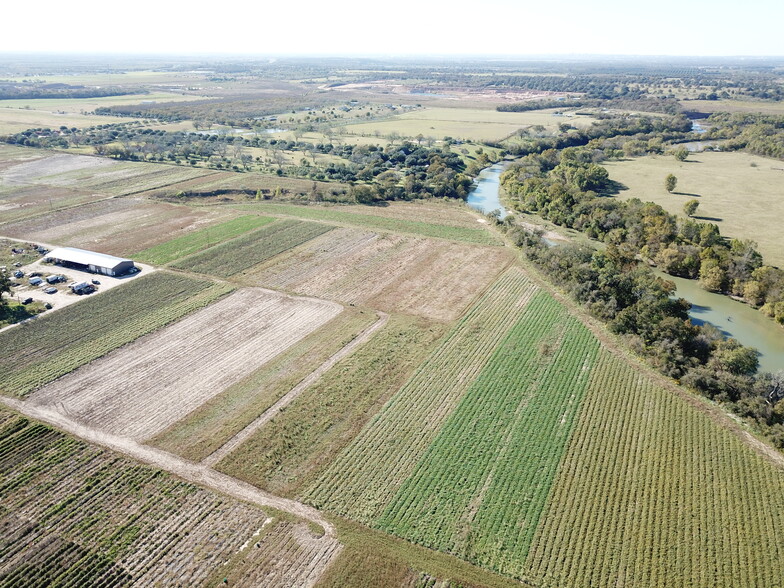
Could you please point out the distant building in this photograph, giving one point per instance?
(91, 261)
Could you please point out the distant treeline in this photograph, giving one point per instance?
(10, 91)
(761, 134)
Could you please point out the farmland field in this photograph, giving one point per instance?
(289, 451)
(433, 279)
(75, 515)
(742, 193)
(117, 226)
(40, 351)
(364, 478)
(465, 123)
(367, 218)
(239, 254)
(207, 428)
(201, 239)
(146, 386)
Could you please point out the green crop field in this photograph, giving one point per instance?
(232, 257)
(288, 452)
(202, 239)
(38, 352)
(742, 193)
(384, 223)
(524, 447)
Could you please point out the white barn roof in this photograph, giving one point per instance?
(84, 257)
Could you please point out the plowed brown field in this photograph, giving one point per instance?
(144, 387)
(429, 278)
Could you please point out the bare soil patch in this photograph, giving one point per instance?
(142, 388)
(430, 278)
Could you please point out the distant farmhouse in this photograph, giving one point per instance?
(91, 261)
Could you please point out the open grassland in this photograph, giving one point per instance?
(653, 492)
(479, 489)
(287, 453)
(16, 120)
(742, 193)
(117, 226)
(365, 477)
(146, 386)
(430, 278)
(198, 240)
(78, 106)
(74, 515)
(711, 106)
(466, 123)
(37, 352)
(232, 257)
(437, 212)
(368, 218)
(216, 421)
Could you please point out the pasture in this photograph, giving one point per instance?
(78, 106)
(148, 385)
(711, 106)
(16, 120)
(743, 194)
(75, 515)
(469, 124)
(429, 278)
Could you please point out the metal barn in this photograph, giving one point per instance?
(91, 261)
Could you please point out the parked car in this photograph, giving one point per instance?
(27, 301)
(51, 290)
(35, 281)
(19, 274)
(97, 282)
(55, 279)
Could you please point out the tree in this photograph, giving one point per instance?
(681, 153)
(690, 207)
(5, 286)
(670, 182)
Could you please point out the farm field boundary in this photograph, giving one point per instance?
(216, 421)
(146, 386)
(480, 235)
(40, 351)
(435, 279)
(232, 257)
(288, 398)
(368, 473)
(202, 239)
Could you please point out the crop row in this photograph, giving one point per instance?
(74, 515)
(421, 228)
(202, 239)
(481, 486)
(652, 492)
(42, 350)
(365, 476)
(239, 254)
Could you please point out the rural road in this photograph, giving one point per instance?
(289, 397)
(187, 470)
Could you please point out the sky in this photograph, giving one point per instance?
(397, 27)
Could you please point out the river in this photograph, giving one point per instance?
(484, 196)
(733, 318)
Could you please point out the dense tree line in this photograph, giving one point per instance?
(404, 171)
(14, 91)
(761, 134)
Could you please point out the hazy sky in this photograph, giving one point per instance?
(363, 27)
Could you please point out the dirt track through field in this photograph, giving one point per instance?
(290, 396)
(187, 470)
(142, 388)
